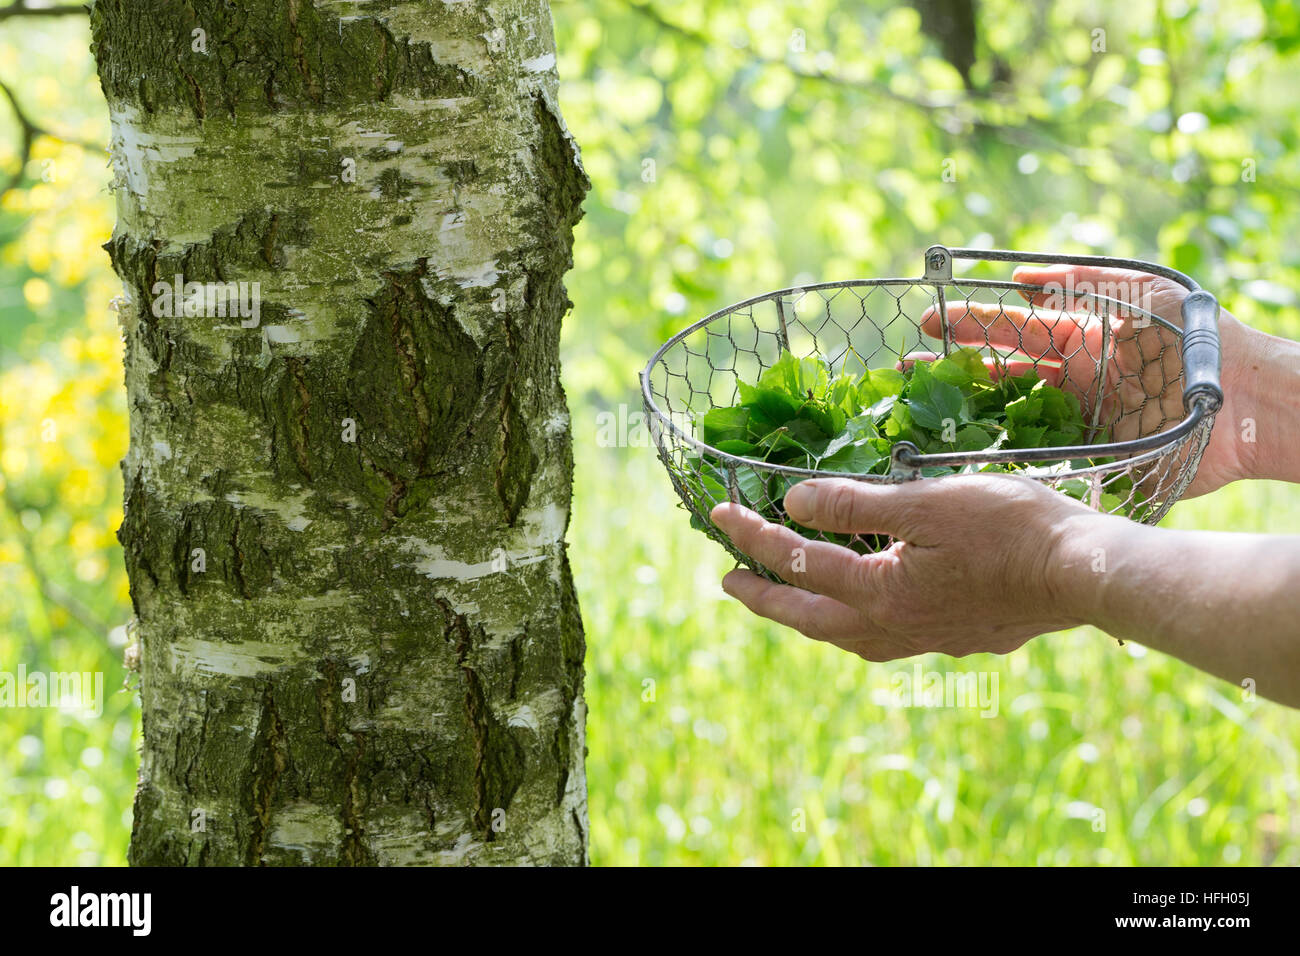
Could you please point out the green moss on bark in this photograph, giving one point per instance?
(277, 56)
(378, 657)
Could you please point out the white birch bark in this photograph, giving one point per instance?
(346, 507)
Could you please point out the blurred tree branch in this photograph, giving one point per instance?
(52, 592)
(648, 11)
(30, 129)
(953, 115)
(19, 8)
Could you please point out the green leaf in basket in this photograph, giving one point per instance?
(856, 459)
(878, 384)
(881, 410)
(768, 408)
(1121, 485)
(862, 426)
(1111, 503)
(1025, 410)
(932, 402)
(898, 426)
(964, 369)
(1017, 386)
(828, 418)
(1068, 433)
(709, 483)
(843, 393)
(797, 415)
(705, 490)
(1077, 488)
(806, 378)
(798, 435)
(859, 428)
(975, 438)
(1060, 408)
(778, 484)
(724, 424)
(1026, 436)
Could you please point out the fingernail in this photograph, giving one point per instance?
(801, 500)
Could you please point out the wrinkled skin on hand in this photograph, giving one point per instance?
(976, 567)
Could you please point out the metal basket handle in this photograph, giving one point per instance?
(1200, 351)
(1202, 357)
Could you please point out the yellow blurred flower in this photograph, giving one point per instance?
(45, 90)
(41, 196)
(83, 537)
(13, 460)
(104, 349)
(37, 292)
(38, 258)
(91, 568)
(47, 147)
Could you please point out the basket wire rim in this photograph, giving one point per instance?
(1144, 448)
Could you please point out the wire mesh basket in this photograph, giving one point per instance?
(1147, 389)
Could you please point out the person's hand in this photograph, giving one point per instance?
(978, 564)
(1144, 390)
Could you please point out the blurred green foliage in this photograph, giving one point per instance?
(735, 148)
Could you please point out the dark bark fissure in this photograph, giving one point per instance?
(269, 762)
(498, 760)
(342, 680)
(300, 433)
(257, 57)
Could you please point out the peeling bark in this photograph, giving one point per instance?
(345, 519)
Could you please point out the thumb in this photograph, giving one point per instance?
(861, 507)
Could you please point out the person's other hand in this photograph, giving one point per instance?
(977, 565)
(1144, 392)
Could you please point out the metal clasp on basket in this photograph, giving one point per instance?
(938, 269)
(938, 264)
(900, 470)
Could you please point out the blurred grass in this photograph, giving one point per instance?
(751, 723)
(746, 730)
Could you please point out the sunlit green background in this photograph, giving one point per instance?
(734, 148)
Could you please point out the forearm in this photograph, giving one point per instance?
(1262, 408)
(1226, 603)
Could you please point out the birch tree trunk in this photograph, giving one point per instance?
(346, 501)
